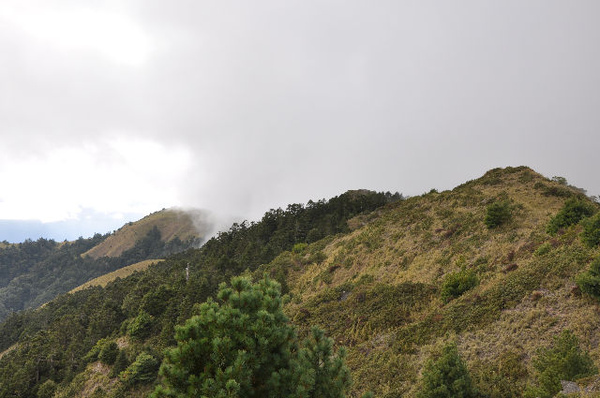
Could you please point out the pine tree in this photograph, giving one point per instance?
(245, 347)
(447, 377)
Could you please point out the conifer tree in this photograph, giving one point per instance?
(245, 347)
(447, 377)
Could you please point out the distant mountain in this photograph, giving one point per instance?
(191, 225)
(34, 272)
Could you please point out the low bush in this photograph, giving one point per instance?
(589, 281)
(447, 376)
(573, 211)
(498, 213)
(591, 231)
(564, 360)
(142, 371)
(457, 283)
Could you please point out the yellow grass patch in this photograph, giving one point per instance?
(120, 273)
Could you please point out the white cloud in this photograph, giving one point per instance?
(110, 176)
(109, 33)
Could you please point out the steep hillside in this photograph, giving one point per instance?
(395, 281)
(380, 289)
(172, 223)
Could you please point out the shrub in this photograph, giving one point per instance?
(108, 353)
(591, 231)
(589, 281)
(141, 326)
(457, 283)
(563, 361)
(142, 371)
(121, 363)
(498, 213)
(447, 376)
(573, 211)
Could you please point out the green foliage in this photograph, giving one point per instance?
(47, 389)
(142, 371)
(589, 281)
(543, 249)
(447, 376)
(457, 283)
(67, 328)
(108, 354)
(121, 363)
(105, 351)
(591, 231)
(498, 213)
(564, 360)
(322, 368)
(573, 211)
(141, 326)
(245, 347)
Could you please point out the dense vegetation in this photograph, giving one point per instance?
(140, 312)
(246, 347)
(34, 272)
(468, 292)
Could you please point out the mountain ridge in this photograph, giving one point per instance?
(172, 223)
(474, 266)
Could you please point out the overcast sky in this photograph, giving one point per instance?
(110, 110)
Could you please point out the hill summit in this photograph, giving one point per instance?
(173, 223)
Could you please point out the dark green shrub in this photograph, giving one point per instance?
(447, 376)
(498, 213)
(563, 361)
(589, 281)
(455, 284)
(121, 363)
(141, 326)
(142, 371)
(108, 353)
(573, 211)
(591, 231)
(47, 389)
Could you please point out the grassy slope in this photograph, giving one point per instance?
(377, 291)
(171, 223)
(120, 273)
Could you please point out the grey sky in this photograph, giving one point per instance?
(240, 106)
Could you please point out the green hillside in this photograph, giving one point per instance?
(494, 280)
(380, 289)
(34, 272)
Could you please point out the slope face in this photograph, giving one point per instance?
(378, 290)
(172, 223)
(376, 286)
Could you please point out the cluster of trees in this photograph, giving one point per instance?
(34, 272)
(54, 341)
(246, 347)
(251, 244)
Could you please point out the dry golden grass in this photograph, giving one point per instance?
(424, 238)
(120, 273)
(171, 223)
